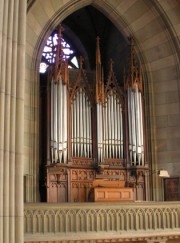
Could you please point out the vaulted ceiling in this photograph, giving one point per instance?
(81, 30)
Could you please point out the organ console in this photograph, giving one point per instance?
(96, 130)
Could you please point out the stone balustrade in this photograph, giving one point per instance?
(98, 222)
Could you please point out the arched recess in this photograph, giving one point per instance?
(137, 18)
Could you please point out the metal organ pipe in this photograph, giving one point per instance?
(65, 128)
(109, 127)
(75, 128)
(133, 128)
(81, 125)
(58, 122)
(105, 131)
(52, 121)
(77, 122)
(88, 124)
(59, 119)
(72, 129)
(55, 123)
(136, 144)
(100, 131)
(141, 128)
(90, 130)
(84, 125)
(138, 123)
(112, 122)
(113, 127)
(118, 131)
(130, 124)
(121, 132)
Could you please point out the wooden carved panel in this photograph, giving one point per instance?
(172, 189)
(57, 190)
(81, 183)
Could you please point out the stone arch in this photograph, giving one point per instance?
(145, 22)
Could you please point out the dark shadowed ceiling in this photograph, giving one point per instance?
(81, 29)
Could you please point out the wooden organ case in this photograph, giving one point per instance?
(95, 129)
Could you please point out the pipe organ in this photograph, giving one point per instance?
(81, 135)
(58, 121)
(133, 84)
(96, 130)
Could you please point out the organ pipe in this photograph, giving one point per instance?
(52, 121)
(55, 122)
(81, 125)
(90, 131)
(105, 131)
(84, 125)
(136, 145)
(115, 126)
(118, 131)
(88, 124)
(113, 131)
(111, 123)
(133, 84)
(58, 122)
(77, 123)
(65, 128)
(110, 127)
(121, 133)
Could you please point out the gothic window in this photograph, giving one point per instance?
(49, 53)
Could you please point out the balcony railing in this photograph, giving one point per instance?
(101, 221)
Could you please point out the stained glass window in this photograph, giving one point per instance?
(49, 53)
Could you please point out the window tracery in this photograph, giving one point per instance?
(50, 50)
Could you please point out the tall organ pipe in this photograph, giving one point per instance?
(72, 129)
(136, 143)
(65, 128)
(59, 119)
(100, 131)
(105, 130)
(141, 129)
(118, 131)
(88, 124)
(77, 122)
(133, 128)
(138, 124)
(115, 126)
(84, 124)
(109, 127)
(121, 129)
(112, 122)
(90, 130)
(75, 127)
(130, 124)
(55, 123)
(81, 124)
(52, 121)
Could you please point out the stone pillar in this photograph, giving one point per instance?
(12, 80)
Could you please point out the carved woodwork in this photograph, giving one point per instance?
(106, 194)
(95, 130)
(172, 189)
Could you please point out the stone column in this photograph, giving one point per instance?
(3, 179)
(12, 80)
(20, 85)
